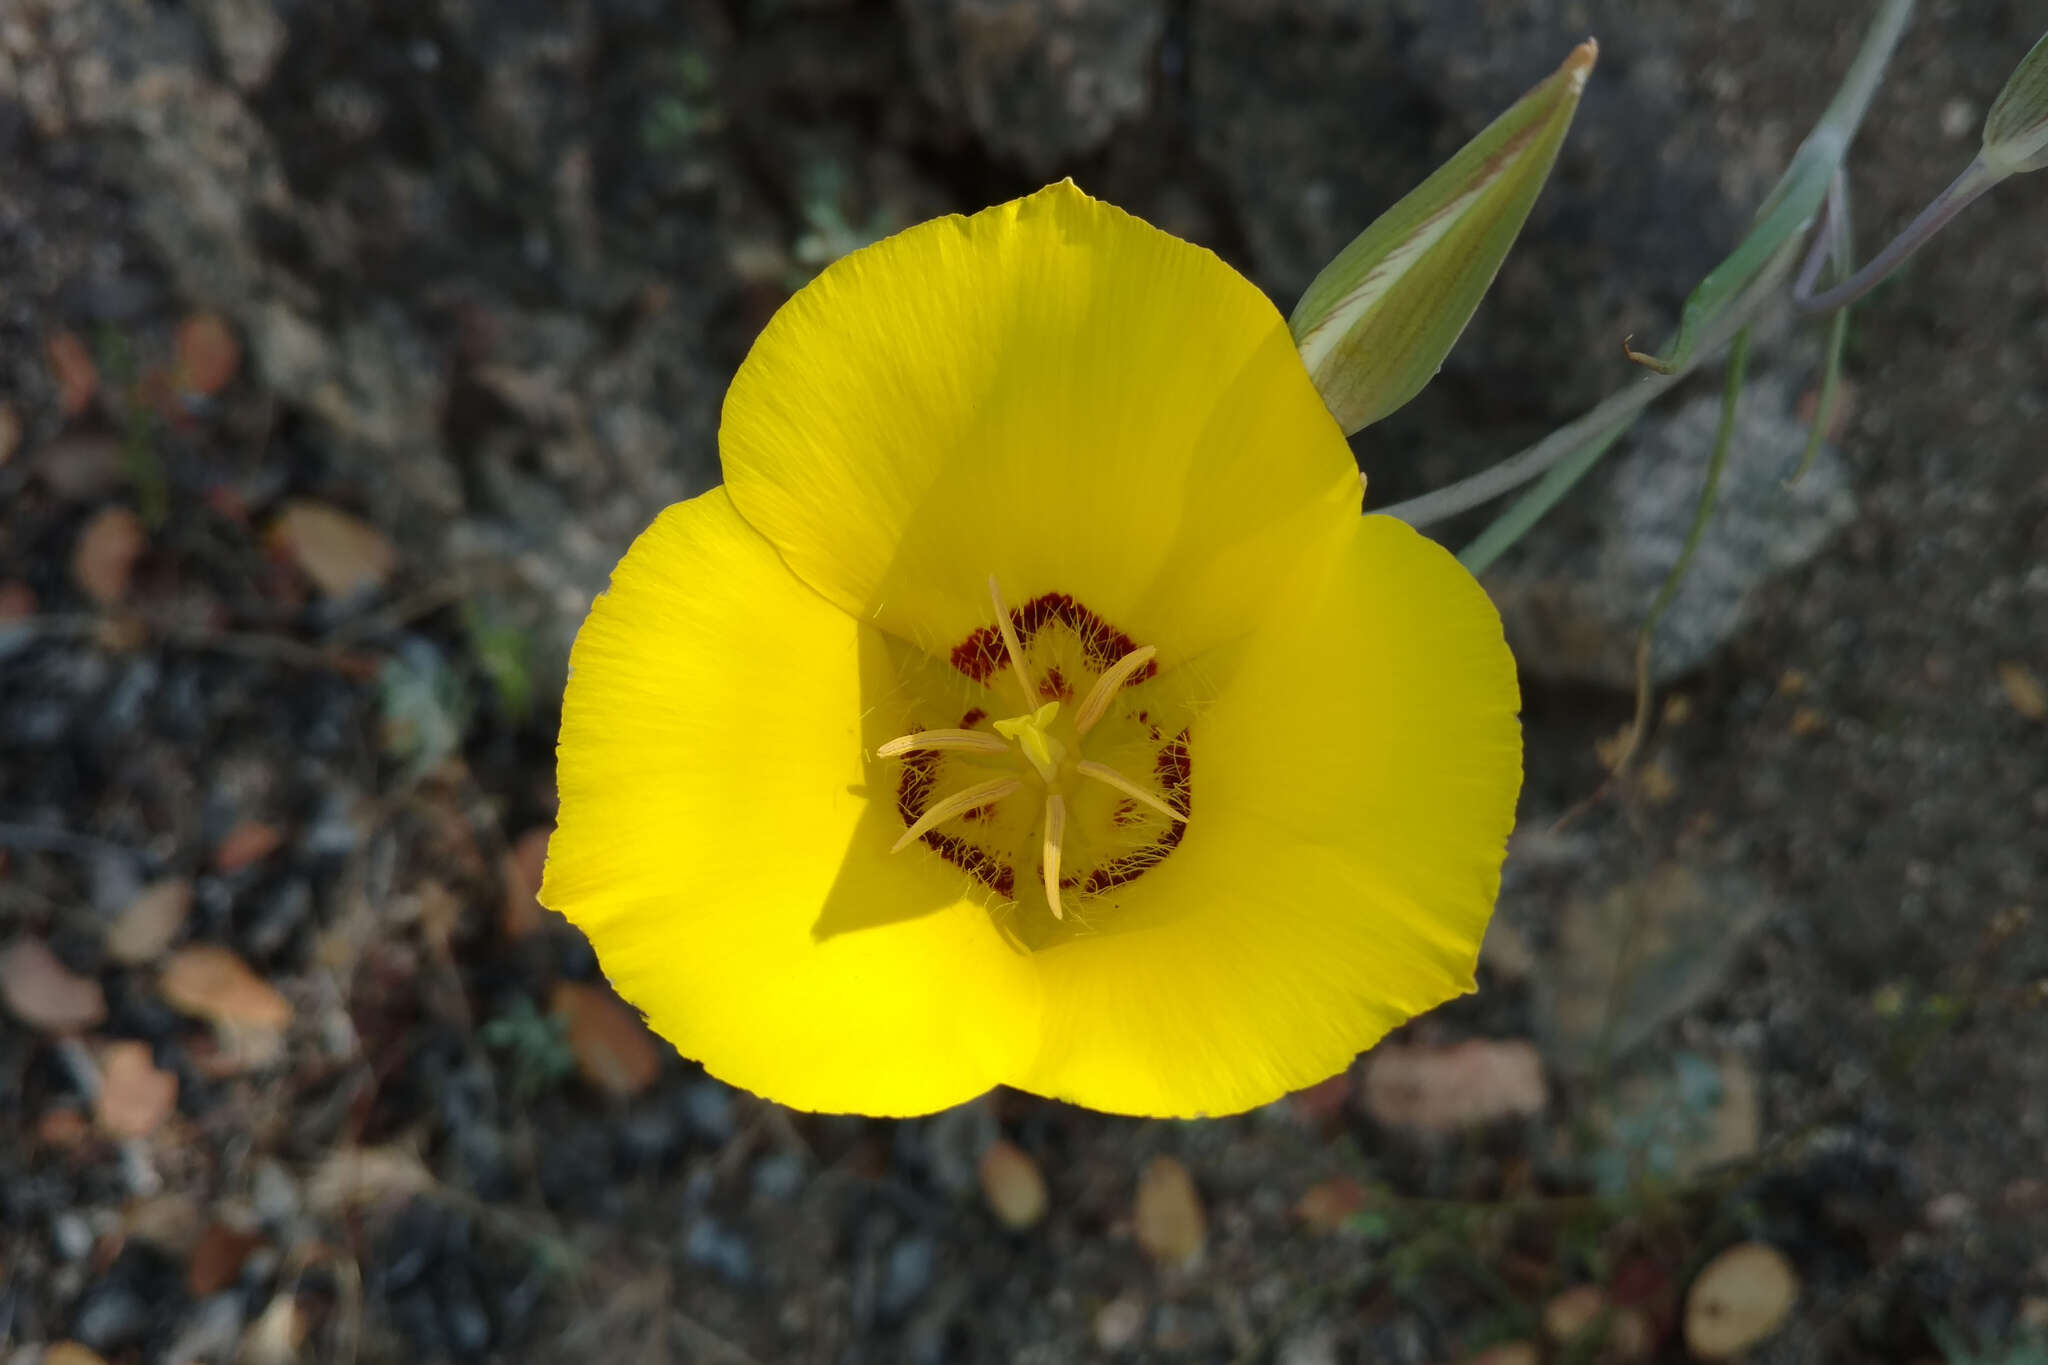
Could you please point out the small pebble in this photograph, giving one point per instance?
(778, 1176)
(710, 1246)
(906, 1275)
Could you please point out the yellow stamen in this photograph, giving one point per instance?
(1055, 833)
(1009, 634)
(973, 740)
(1115, 676)
(959, 803)
(1044, 752)
(1109, 776)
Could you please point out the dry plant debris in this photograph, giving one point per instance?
(343, 555)
(135, 1097)
(1168, 1220)
(1447, 1089)
(1740, 1297)
(614, 1051)
(1013, 1185)
(146, 927)
(45, 994)
(103, 561)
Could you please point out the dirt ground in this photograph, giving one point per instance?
(344, 344)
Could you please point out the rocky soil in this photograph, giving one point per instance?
(344, 344)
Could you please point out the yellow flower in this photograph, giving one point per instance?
(1032, 705)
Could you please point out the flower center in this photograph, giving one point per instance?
(1093, 792)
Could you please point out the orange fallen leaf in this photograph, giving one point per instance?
(71, 366)
(1329, 1204)
(249, 842)
(524, 861)
(134, 1096)
(146, 927)
(212, 983)
(1012, 1184)
(1169, 1221)
(43, 993)
(207, 354)
(613, 1049)
(103, 560)
(1445, 1089)
(343, 555)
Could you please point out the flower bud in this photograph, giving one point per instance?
(1376, 324)
(2016, 129)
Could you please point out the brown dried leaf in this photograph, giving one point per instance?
(71, 366)
(10, 432)
(2024, 690)
(172, 1222)
(343, 555)
(104, 558)
(1328, 1205)
(80, 466)
(1012, 1185)
(135, 1097)
(1507, 1353)
(524, 862)
(614, 1051)
(207, 354)
(17, 602)
(212, 983)
(62, 1128)
(1445, 1089)
(218, 1258)
(151, 921)
(1169, 1221)
(1324, 1102)
(251, 841)
(1742, 1296)
(353, 1177)
(45, 994)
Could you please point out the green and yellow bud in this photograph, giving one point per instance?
(2016, 129)
(1376, 324)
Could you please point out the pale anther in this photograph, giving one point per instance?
(959, 803)
(1110, 777)
(1009, 634)
(972, 740)
(1096, 703)
(1055, 835)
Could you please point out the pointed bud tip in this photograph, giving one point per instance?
(1580, 63)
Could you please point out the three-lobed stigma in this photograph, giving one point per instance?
(1029, 787)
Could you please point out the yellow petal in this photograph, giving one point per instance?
(720, 844)
(1353, 787)
(1052, 392)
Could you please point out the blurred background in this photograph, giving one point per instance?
(345, 344)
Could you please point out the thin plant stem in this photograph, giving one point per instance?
(1965, 190)
(1840, 239)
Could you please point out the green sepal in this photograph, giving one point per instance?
(1376, 324)
(2016, 129)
